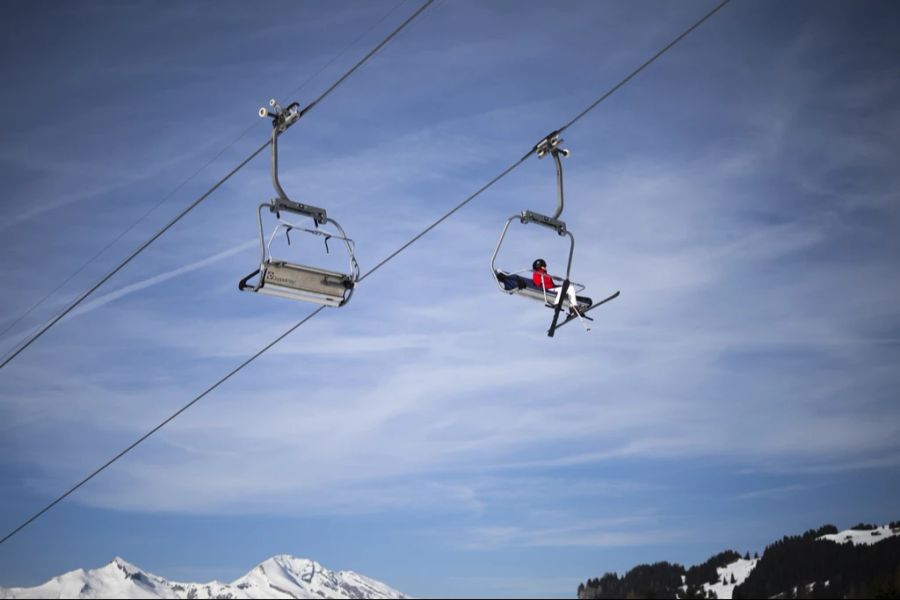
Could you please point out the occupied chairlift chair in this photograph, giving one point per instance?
(291, 280)
(515, 284)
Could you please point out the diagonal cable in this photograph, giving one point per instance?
(390, 257)
(646, 64)
(366, 57)
(447, 215)
(30, 340)
(161, 425)
(130, 257)
(168, 196)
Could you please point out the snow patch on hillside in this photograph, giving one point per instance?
(740, 569)
(862, 537)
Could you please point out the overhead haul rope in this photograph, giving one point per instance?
(369, 272)
(30, 340)
(168, 196)
(590, 107)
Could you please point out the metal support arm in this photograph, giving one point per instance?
(550, 144)
(317, 214)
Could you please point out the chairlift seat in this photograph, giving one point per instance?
(300, 282)
(523, 286)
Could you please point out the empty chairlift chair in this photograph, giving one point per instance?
(286, 279)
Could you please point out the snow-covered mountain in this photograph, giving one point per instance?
(824, 563)
(740, 569)
(281, 576)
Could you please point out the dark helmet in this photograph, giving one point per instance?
(539, 264)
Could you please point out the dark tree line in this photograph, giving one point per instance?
(799, 566)
(706, 573)
(793, 567)
(660, 580)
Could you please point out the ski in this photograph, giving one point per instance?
(558, 308)
(592, 307)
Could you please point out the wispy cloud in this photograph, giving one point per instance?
(757, 326)
(144, 284)
(773, 492)
(582, 532)
(160, 278)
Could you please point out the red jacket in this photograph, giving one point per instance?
(541, 276)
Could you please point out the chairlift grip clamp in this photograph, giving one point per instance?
(282, 118)
(319, 215)
(550, 144)
(529, 216)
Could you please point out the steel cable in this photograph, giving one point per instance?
(390, 257)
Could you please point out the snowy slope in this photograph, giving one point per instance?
(740, 569)
(278, 577)
(859, 537)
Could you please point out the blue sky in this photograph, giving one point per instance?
(741, 192)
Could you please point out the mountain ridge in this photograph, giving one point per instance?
(281, 576)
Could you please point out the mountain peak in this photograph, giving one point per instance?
(290, 561)
(281, 576)
(287, 574)
(123, 564)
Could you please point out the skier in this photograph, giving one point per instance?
(544, 281)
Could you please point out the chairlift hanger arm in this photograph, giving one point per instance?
(281, 120)
(550, 144)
